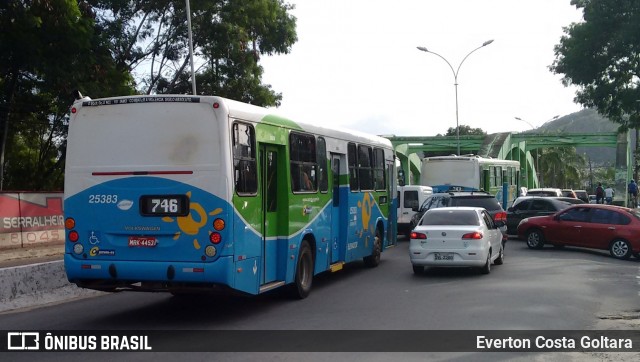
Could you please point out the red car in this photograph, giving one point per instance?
(594, 226)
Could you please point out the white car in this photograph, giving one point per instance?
(457, 237)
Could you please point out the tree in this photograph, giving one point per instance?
(465, 131)
(150, 38)
(601, 55)
(47, 49)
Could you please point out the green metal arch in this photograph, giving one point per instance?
(515, 146)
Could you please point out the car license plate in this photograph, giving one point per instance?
(142, 241)
(443, 256)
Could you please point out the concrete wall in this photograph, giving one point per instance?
(37, 284)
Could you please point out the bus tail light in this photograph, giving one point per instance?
(215, 238)
(210, 251)
(218, 224)
(69, 223)
(415, 235)
(73, 236)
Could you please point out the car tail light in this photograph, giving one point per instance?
(500, 216)
(415, 235)
(474, 235)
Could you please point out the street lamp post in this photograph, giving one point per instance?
(455, 84)
(193, 74)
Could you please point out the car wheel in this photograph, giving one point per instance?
(301, 287)
(620, 249)
(374, 259)
(500, 259)
(417, 269)
(535, 239)
(486, 269)
(411, 227)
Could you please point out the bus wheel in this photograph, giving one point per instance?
(304, 272)
(374, 259)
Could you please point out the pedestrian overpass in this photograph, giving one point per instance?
(513, 146)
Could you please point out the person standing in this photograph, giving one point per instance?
(608, 194)
(633, 193)
(599, 193)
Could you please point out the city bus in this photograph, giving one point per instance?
(189, 194)
(471, 173)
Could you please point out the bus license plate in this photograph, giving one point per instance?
(142, 241)
(443, 256)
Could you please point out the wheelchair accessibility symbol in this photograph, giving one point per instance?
(93, 239)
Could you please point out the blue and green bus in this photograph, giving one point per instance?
(192, 194)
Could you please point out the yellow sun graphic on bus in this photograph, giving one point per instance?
(188, 224)
(367, 206)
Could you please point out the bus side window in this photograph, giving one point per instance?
(303, 164)
(244, 159)
(353, 167)
(323, 179)
(365, 167)
(379, 175)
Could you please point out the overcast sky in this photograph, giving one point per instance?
(356, 65)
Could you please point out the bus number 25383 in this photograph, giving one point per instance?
(103, 199)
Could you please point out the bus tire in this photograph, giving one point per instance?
(373, 260)
(301, 286)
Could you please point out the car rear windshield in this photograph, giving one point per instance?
(450, 217)
(542, 193)
(489, 203)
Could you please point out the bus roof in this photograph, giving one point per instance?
(240, 110)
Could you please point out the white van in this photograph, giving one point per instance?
(410, 197)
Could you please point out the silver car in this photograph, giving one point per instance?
(458, 237)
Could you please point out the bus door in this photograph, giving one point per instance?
(270, 162)
(339, 209)
(392, 226)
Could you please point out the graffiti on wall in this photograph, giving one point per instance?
(30, 219)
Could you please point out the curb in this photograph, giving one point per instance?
(37, 284)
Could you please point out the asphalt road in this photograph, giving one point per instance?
(550, 289)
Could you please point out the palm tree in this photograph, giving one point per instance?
(561, 167)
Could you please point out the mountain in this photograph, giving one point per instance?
(584, 121)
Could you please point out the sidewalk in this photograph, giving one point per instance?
(32, 255)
